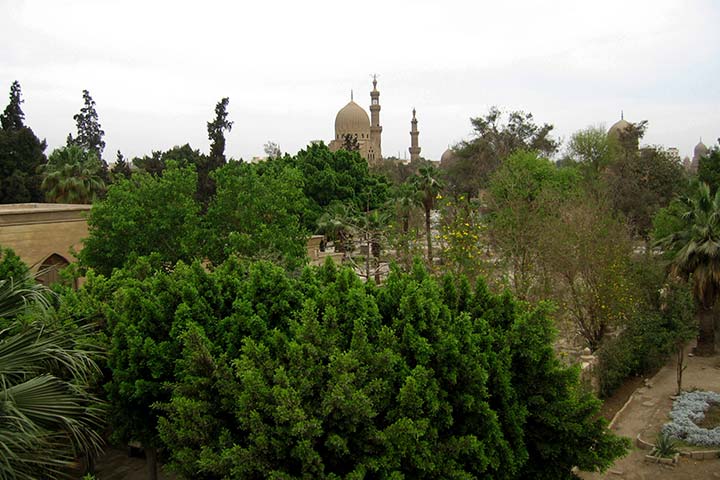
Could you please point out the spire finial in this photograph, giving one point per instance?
(351, 95)
(413, 112)
(622, 115)
(374, 76)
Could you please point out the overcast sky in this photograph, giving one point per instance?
(157, 69)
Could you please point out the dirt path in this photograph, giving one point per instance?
(647, 412)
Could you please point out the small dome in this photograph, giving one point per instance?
(700, 150)
(352, 118)
(619, 126)
(447, 157)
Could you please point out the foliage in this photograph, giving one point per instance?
(585, 251)
(157, 161)
(709, 168)
(11, 266)
(664, 319)
(121, 168)
(216, 133)
(493, 141)
(665, 446)
(591, 150)
(72, 175)
(257, 215)
(695, 250)
(688, 410)
(21, 153)
(329, 177)
(642, 183)
(463, 234)
(89, 132)
(251, 373)
(13, 117)
(428, 186)
(272, 150)
(142, 215)
(524, 194)
(50, 415)
(350, 142)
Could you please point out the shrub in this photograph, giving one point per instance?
(688, 410)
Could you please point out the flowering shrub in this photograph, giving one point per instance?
(687, 411)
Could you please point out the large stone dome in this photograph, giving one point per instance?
(352, 119)
(700, 150)
(447, 157)
(619, 126)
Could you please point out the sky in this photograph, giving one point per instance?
(156, 69)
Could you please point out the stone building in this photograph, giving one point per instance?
(352, 123)
(44, 235)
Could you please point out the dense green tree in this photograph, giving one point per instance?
(592, 151)
(428, 186)
(13, 117)
(493, 141)
(695, 251)
(72, 175)
(257, 375)
(334, 176)
(21, 153)
(50, 415)
(89, 132)
(182, 156)
(256, 215)
(142, 215)
(709, 168)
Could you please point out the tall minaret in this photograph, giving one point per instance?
(414, 148)
(375, 128)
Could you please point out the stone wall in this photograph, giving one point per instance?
(37, 231)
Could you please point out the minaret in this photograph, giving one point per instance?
(414, 148)
(375, 128)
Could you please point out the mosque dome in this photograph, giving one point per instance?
(700, 150)
(447, 157)
(352, 118)
(619, 126)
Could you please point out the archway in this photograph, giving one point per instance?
(49, 270)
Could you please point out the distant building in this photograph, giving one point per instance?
(352, 124)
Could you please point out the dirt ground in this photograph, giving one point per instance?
(647, 412)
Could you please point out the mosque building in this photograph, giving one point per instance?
(352, 123)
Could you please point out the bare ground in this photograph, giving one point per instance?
(647, 411)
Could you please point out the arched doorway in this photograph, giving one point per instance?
(49, 270)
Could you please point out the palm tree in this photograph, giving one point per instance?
(404, 201)
(49, 415)
(428, 186)
(695, 247)
(72, 175)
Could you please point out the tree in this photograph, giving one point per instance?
(331, 378)
(72, 175)
(492, 142)
(350, 143)
(709, 168)
(13, 117)
(641, 182)
(592, 151)
(272, 150)
(121, 169)
(21, 153)
(50, 415)
(524, 194)
(256, 215)
(216, 134)
(141, 216)
(428, 186)
(695, 252)
(89, 132)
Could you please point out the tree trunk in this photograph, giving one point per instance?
(428, 233)
(706, 338)
(151, 458)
